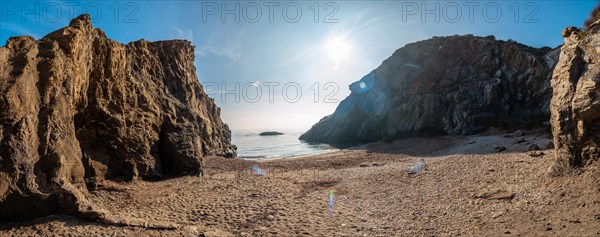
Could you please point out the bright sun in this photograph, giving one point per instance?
(338, 50)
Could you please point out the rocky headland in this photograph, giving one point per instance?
(454, 85)
(78, 108)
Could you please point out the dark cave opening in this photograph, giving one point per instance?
(165, 149)
(174, 154)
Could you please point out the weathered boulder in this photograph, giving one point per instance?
(77, 108)
(445, 85)
(575, 106)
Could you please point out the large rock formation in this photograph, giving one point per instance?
(444, 85)
(77, 108)
(576, 100)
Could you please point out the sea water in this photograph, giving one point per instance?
(253, 146)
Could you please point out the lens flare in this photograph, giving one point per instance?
(362, 85)
(331, 193)
(258, 171)
(417, 167)
(413, 65)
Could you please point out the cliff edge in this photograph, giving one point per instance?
(576, 100)
(78, 108)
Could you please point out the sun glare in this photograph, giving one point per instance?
(338, 50)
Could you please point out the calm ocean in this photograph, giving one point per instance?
(253, 146)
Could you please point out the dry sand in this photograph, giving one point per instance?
(374, 195)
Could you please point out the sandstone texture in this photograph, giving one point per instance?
(77, 108)
(445, 85)
(575, 106)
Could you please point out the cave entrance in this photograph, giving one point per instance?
(176, 152)
(165, 149)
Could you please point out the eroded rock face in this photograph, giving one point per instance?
(576, 100)
(445, 85)
(77, 108)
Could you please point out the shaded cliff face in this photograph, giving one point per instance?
(444, 85)
(77, 108)
(576, 100)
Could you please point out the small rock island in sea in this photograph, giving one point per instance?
(270, 134)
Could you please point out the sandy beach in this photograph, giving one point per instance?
(237, 118)
(468, 188)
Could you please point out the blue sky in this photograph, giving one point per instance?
(316, 48)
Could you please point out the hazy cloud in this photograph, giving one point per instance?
(183, 34)
(19, 30)
(231, 48)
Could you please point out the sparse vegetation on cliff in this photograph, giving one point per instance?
(581, 34)
(594, 16)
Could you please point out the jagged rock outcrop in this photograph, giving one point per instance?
(444, 85)
(575, 106)
(77, 108)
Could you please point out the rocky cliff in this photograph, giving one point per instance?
(576, 100)
(77, 108)
(444, 85)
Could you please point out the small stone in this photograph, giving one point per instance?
(534, 147)
(496, 194)
(497, 214)
(498, 73)
(536, 153)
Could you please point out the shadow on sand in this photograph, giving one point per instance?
(484, 143)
